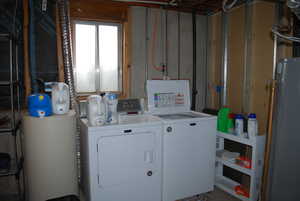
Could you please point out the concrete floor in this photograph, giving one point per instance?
(216, 195)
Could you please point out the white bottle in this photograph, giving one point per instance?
(239, 125)
(252, 126)
(60, 98)
(96, 110)
(112, 102)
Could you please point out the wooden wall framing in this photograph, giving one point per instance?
(261, 60)
(214, 60)
(173, 47)
(27, 82)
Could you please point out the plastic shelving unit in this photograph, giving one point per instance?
(255, 173)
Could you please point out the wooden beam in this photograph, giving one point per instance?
(127, 56)
(60, 62)
(27, 82)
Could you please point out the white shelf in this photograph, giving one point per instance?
(228, 186)
(235, 166)
(255, 173)
(242, 140)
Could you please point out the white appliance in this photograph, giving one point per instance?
(60, 98)
(122, 162)
(96, 110)
(50, 162)
(189, 140)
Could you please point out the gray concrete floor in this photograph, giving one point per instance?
(216, 195)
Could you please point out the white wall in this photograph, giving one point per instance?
(177, 53)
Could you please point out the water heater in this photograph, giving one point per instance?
(60, 98)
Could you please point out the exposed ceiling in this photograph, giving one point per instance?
(202, 6)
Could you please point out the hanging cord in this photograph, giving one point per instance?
(290, 38)
(154, 33)
(227, 7)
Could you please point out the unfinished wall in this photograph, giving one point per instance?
(236, 38)
(173, 47)
(214, 60)
(262, 61)
(250, 59)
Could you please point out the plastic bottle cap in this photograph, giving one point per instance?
(238, 116)
(252, 116)
(231, 116)
(112, 96)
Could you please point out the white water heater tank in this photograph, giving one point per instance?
(60, 98)
(96, 110)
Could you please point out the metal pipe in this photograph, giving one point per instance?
(146, 45)
(294, 5)
(209, 74)
(149, 2)
(65, 25)
(166, 44)
(18, 78)
(64, 19)
(224, 67)
(194, 84)
(179, 45)
(32, 48)
(163, 42)
(274, 56)
(11, 86)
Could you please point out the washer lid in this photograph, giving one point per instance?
(168, 96)
(179, 116)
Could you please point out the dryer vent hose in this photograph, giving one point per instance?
(65, 25)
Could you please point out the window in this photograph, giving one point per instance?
(98, 57)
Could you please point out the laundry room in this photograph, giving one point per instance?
(149, 100)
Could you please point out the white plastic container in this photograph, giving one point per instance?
(112, 102)
(252, 126)
(96, 110)
(239, 125)
(60, 98)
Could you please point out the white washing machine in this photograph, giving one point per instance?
(189, 140)
(122, 162)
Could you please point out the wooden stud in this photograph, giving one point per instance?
(127, 56)
(268, 143)
(60, 62)
(261, 61)
(215, 61)
(236, 58)
(27, 82)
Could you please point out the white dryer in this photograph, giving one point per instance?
(189, 140)
(122, 162)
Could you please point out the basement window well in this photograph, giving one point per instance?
(98, 57)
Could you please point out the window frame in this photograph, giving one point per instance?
(121, 52)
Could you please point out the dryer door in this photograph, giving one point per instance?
(129, 167)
